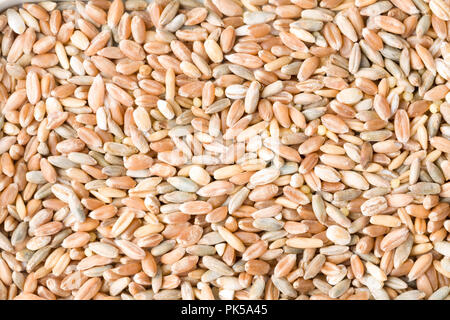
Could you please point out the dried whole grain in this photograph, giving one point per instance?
(225, 149)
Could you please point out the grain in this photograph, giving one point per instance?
(225, 150)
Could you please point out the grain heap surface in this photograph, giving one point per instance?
(254, 149)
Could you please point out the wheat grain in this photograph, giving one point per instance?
(225, 150)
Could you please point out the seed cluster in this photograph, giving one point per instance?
(225, 149)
